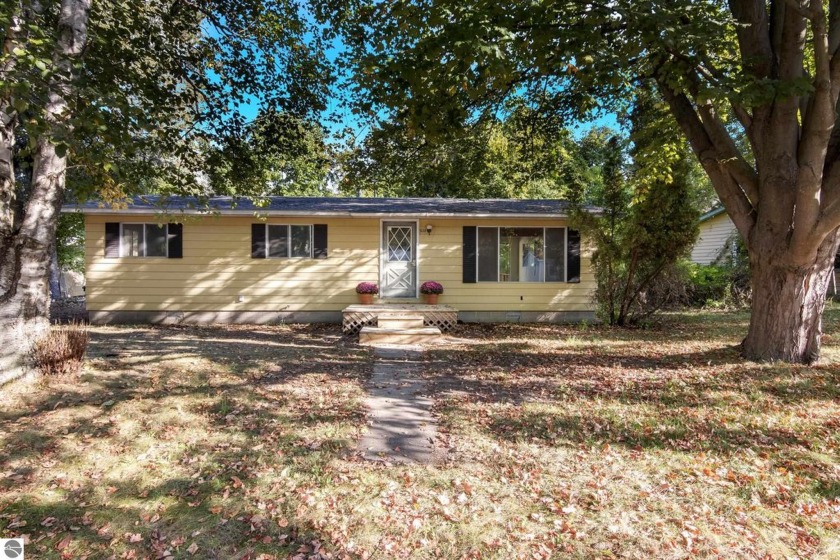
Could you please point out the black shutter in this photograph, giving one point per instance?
(257, 241)
(112, 240)
(176, 241)
(573, 248)
(470, 254)
(319, 238)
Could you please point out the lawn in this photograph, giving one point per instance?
(562, 442)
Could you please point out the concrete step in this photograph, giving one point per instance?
(381, 335)
(399, 321)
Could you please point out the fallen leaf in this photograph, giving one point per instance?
(64, 543)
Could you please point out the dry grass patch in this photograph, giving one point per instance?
(564, 442)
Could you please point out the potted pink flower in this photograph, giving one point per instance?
(366, 291)
(431, 290)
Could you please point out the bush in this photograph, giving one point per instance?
(717, 286)
(62, 350)
(708, 283)
(724, 283)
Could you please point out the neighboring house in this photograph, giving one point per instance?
(716, 229)
(300, 259)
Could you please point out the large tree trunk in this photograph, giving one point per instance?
(788, 302)
(25, 306)
(25, 299)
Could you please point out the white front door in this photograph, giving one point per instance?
(399, 260)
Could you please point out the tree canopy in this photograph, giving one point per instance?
(156, 83)
(127, 96)
(753, 85)
(511, 157)
(276, 154)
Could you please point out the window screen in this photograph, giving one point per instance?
(132, 240)
(302, 241)
(488, 254)
(555, 254)
(278, 241)
(521, 255)
(156, 239)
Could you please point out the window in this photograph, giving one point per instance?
(285, 241)
(521, 254)
(488, 254)
(282, 241)
(144, 240)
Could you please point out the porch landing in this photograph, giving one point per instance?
(355, 317)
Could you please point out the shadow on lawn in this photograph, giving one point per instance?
(509, 372)
(232, 346)
(690, 401)
(119, 524)
(257, 423)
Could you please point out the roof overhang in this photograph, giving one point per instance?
(712, 213)
(272, 213)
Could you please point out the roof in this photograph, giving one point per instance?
(712, 213)
(329, 206)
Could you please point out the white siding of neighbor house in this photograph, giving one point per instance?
(714, 233)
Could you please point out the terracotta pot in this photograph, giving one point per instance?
(365, 299)
(431, 299)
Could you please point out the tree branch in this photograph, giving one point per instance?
(816, 133)
(753, 36)
(735, 200)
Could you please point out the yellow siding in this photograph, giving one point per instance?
(714, 233)
(217, 268)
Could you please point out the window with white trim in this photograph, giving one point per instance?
(289, 241)
(521, 254)
(144, 240)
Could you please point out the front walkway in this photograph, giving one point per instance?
(401, 428)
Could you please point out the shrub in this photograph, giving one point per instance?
(724, 283)
(707, 283)
(646, 225)
(367, 288)
(62, 350)
(431, 287)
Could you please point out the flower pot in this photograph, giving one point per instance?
(431, 299)
(365, 299)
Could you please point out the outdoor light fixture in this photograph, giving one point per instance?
(429, 229)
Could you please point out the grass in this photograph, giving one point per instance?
(563, 442)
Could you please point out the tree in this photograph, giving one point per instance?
(277, 153)
(70, 242)
(767, 71)
(132, 92)
(504, 157)
(646, 225)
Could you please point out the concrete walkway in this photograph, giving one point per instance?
(401, 428)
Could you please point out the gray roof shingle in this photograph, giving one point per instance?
(328, 206)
